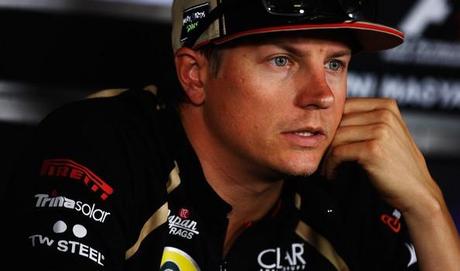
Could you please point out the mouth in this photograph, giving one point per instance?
(305, 133)
(305, 137)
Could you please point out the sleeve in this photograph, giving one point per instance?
(375, 235)
(386, 244)
(72, 194)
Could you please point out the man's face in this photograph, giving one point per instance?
(274, 106)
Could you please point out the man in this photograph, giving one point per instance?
(265, 166)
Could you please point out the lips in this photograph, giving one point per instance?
(305, 133)
(305, 137)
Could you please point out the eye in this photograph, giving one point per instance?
(280, 61)
(335, 65)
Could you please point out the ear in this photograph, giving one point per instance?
(191, 68)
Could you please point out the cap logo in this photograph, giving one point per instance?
(192, 18)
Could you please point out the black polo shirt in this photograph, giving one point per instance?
(113, 184)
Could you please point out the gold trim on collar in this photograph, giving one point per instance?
(156, 220)
(297, 201)
(174, 179)
(322, 245)
(160, 216)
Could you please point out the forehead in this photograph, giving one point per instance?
(338, 37)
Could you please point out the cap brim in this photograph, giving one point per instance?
(370, 36)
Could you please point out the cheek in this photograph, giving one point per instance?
(245, 91)
(338, 114)
(243, 96)
(243, 109)
(338, 84)
(229, 103)
(339, 90)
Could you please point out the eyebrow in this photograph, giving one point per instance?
(295, 51)
(346, 52)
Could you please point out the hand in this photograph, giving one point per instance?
(374, 134)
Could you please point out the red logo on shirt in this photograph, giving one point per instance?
(70, 169)
(392, 222)
(184, 213)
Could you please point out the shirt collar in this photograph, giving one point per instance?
(191, 173)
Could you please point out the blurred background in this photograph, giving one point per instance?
(56, 51)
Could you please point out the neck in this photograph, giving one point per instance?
(250, 199)
(250, 192)
(251, 195)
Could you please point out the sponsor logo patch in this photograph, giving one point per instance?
(68, 246)
(181, 225)
(88, 210)
(413, 255)
(174, 259)
(70, 169)
(192, 18)
(392, 221)
(277, 259)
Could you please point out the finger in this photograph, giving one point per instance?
(387, 111)
(356, 152)
(370, 104)
(379, 118)
(351, 134)
(370, 117)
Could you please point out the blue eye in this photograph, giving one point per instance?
(280, 61)
(335, 65)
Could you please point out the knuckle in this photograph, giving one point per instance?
(386, 116)
(373, 148)
(381, 131)
(391, 103)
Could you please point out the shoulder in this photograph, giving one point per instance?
(118, 138)
(132, 104)
(130, 120)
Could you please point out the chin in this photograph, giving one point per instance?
(305, 172)
(302, 168)
(303, 163)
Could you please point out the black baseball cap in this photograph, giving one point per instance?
(199, 22)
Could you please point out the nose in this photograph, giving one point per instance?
(313, 91)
